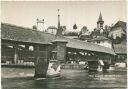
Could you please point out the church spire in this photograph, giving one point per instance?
(100, 22)
(100, 17)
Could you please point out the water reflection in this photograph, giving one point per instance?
(70, 79)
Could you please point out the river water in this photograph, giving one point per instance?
(20, 78)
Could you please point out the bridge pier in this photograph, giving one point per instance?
(41, 64)
(60, 48)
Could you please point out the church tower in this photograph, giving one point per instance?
(100, 22)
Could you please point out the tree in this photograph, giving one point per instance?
(34, 27)
(92, 33)
(106, 27)
(106, 31)
(84, 34)
(84, 30)
(63, 29)
(75, 26)
(95, 33)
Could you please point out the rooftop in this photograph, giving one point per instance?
(121, 24)
(17, 33)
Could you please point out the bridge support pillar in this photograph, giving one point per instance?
(41, 64)
(60, 48)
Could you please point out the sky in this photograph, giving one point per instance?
(81, 13)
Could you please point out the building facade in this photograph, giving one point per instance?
(51, 29)
(118, 30)
(118, 33)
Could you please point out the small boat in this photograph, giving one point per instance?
(54, 69)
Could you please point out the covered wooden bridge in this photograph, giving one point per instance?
(20, 44)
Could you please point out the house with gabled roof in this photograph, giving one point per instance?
(118, 33)
(118, 30)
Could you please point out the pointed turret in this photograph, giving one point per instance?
(100, 17)
(100, 22)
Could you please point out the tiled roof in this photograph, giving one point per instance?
(16, 33)
(120, 48)
(74, 43)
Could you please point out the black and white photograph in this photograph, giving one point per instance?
(64, 44)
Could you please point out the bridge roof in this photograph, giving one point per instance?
(22, 34)
(100, 38)
(17, 33)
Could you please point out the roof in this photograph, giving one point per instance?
(74, 43)
(16, 33)
(60, 39)
(100, 18)
(72, 37)
(120, 48)
(121, 24)
(100, 38)
(84, 37)
(51, 27)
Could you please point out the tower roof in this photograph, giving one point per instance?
(100, 18)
